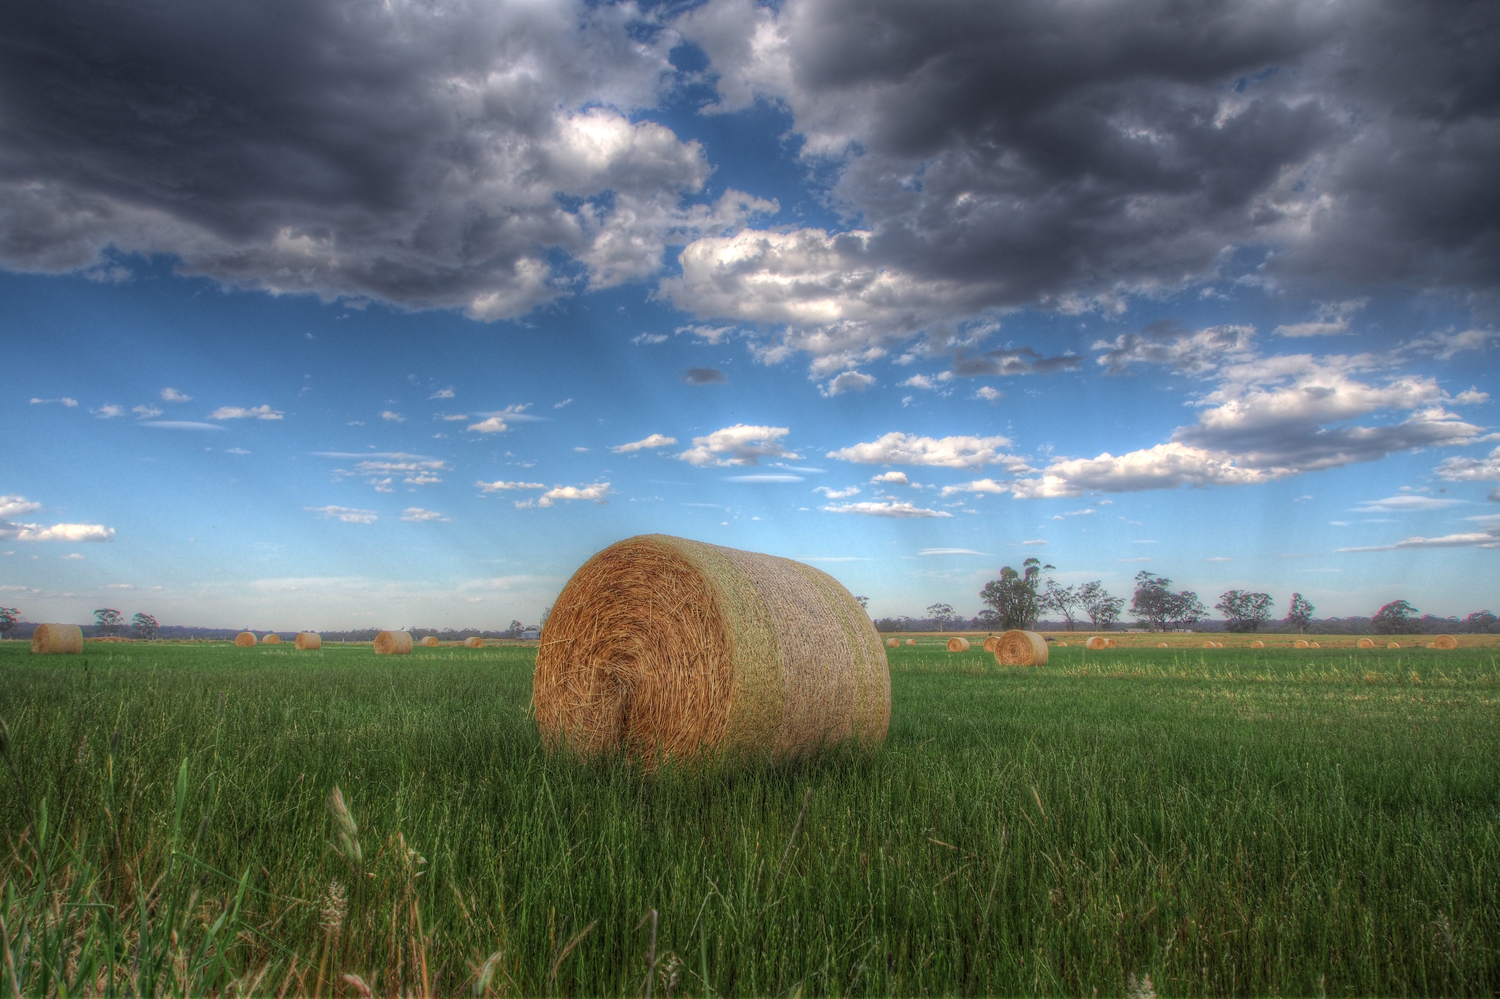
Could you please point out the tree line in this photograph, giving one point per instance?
(1019, 598)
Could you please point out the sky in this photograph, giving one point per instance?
(327, 314)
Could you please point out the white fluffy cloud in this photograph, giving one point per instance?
(978, 486)
(834, 494)
(897, 448)
(596, 492)
(69, 403)
(170, 394)
(1165, 466)
(892, 478)
(241, 413)
(741, 444)
(491, 425)
(1485, 469)
(888, 508)
(417, 515)
(499, 485)
(14, 506)
(655, 440)
(347, 514)
(1406, 503)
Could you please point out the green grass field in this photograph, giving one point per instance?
(1225, 821)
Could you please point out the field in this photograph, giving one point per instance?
(1183, 820)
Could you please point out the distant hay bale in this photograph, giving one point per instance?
(473, 642)
(430, 642)
(57, 639)
(1316, 645)
(244, 639)
(271, 639)
(911, 641)
(309, 640)
(1161, 645)
(1431, 645)
(1109, 643)
(958, 645)
(1366, 643)
(1210, 645)
(1062, 645)
(1019, 648)
(393, 643)
(1300, 643)
(1257, 644)
(991, 643)
(1393, 645)
(1096, 642)
(894, 643)
(661, 646)
(1445, 642)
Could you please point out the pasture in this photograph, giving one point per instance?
(1226, 821)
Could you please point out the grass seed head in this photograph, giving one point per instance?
(347, 832)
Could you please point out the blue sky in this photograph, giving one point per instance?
(405, 339)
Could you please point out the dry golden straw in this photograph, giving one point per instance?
(1020, 648)
(1445, 642)
(991, 643)
(1366, 643)
(1161, 645)
(1257, 644)
(1109, 643)
(894, 643)
(271, 639)
(393, 643)
(911, 641)
(1300, 643)
(473, 642)
(57, 638)
(244, 639)
(1393, 645)
(1316, 645)
(309, 640)
(1096, 642)
(661, 645)
(958, 645)
(1210, 645)
(430, 642)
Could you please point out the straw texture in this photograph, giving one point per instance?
(271, 639)
(1019, 648)
(244, 639)
(473, 642)
(57, 639)
(992, 643)
(1445, 642)
(1109, 643)
(1257, 644)
(393, 643)
(958, 645)
(1366, 643)
(309, 640)
(1300, 643)
(1096, 642)
(430, 642)
(661, 645)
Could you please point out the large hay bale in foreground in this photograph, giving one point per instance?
(309, 640)
(1445, 642)
(430, 642)
(1366, 643)
(473, 642)
(1020, 648)
(1096, 642)
(57, 639)
(665, 646)
(244, 639)
(958, 645)
(392, 643)
(271, 639)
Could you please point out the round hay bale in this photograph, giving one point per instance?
(1210, 645)
(244, 639)
(271, 639)
(958, 645)
(911, 641)
(1431, 645)
(1109, 643)
(57, 639)
(1161, 645)
(1300, 643)
(665, 646)
(1062, 645)
(894, 643)
(309, 640)
(1096, 642)
(1445, 642)
(430, 642)
(991, 643)
(1393, 645)
(1019, 648)
(473, 642)
(1257, 644)
(393, 643)
(1316, 645)
(1366, 643)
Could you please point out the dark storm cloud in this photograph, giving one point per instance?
(704, 376)
(1012, 361)
(1065, 153)
(422, 154)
